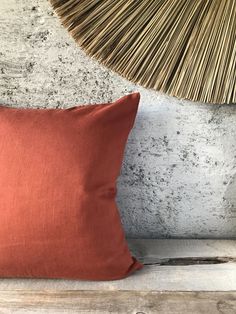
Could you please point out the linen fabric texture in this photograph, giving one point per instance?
(58, 172)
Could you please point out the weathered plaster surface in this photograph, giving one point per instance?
(179, 173)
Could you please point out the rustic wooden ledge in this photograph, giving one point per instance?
(120, 302)
(180, 276)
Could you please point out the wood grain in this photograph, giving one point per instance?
(139, 302)
(154, 250)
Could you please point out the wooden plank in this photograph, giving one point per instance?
(154, 250)
(102, 302)
(174, 275)
(159, 278)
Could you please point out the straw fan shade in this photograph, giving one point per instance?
(185, 48)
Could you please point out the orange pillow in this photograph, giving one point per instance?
(58, 172)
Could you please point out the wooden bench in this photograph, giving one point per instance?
(180, 276)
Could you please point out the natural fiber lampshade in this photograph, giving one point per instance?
(185, 48)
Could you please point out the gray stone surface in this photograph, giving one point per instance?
(179, 174)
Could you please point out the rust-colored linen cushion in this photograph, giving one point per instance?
(58, 172)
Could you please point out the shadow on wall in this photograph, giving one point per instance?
(179, 174)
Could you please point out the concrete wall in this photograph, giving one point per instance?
(179, 173)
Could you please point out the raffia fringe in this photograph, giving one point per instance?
(185, 48)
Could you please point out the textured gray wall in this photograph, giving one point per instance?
(179, 173)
